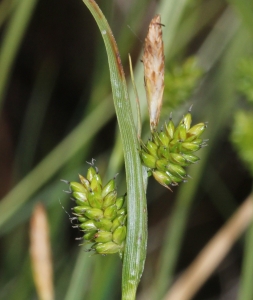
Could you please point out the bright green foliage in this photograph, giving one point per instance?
(101, 214)
(245, 78)
(242, 137)
(180, 82)
(169, 151)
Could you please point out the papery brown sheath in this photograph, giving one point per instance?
(153, 60)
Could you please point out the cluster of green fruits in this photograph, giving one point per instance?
(100, 212)
(169, 151)
(102, 215)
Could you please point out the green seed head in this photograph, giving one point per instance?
(100, 212)
(170, 150)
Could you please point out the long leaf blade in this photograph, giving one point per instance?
(135, 251)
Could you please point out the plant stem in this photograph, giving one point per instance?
(136, 241)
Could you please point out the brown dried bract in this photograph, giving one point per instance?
(153, 60)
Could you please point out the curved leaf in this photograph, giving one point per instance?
(135, 251)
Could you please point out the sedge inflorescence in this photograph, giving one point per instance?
(100, 212)
(169, 151)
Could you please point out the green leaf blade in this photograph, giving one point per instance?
(136, 242)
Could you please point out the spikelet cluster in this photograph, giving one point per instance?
(169, 151)
(101, 214)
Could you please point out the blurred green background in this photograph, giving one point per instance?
(57, 113)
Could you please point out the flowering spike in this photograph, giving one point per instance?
(171, 151)
(153, 60)
(102, 216)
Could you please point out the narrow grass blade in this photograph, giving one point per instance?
(135, 251)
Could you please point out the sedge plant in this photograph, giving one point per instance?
(107, 224)
(78, 276)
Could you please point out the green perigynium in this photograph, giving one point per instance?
(101, 214)
(169, 151)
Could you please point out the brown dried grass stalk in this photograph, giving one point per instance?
(40, 252)
(153, 60)
(213, 253)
